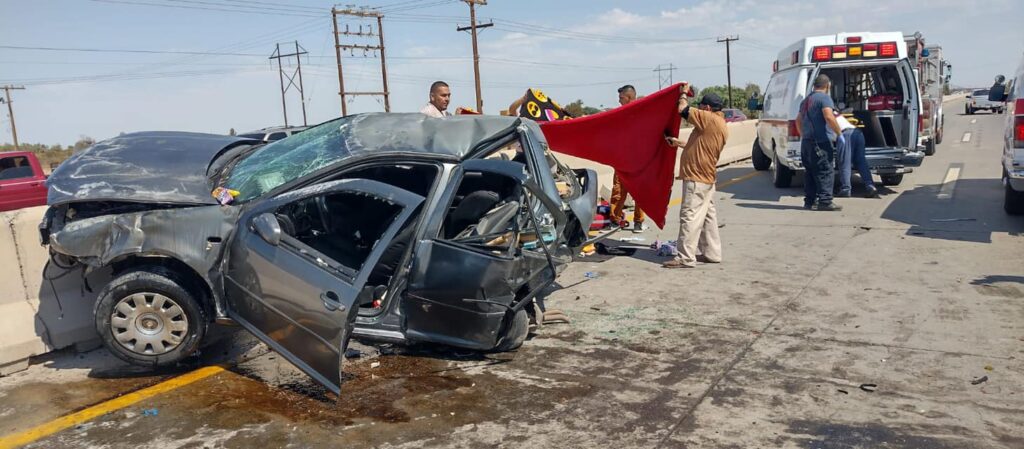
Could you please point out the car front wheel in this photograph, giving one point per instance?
(761, 161)
(782, 176)
(892, 180)
(147, 318)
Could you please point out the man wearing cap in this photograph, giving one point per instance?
(817, 154)
(440, 96)
(698, 217)
(627, 94)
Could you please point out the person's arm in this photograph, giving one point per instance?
(830, 120)
(800, 123)
(684, 104)
(513, 109)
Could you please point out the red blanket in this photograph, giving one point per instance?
(631, 139)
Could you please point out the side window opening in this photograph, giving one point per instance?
(15, 167)
(343, 226)
(485, 212)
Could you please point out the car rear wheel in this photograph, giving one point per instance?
(929, 147)
(516, 334)
(761, 161)
(892, 180)
(782, 176)
(1013, 201)
(147, 318)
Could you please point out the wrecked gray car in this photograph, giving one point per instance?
(390, 227)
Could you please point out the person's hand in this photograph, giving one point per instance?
(674, 142)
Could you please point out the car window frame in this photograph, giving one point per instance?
(27, 164)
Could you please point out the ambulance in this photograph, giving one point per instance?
(872, 80)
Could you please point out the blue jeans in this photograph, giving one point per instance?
(819, 174)
(852, 153)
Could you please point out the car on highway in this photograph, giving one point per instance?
(390, 227)
(22, 181)
(872, 79)
(1012, 95)
(978, 101)
(734, 115)
(273, 133)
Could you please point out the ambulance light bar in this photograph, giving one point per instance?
(828, 53)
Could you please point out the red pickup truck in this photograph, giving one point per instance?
(22, 181)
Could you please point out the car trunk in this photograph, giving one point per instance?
(884, 99)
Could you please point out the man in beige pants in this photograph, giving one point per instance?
(698, 227)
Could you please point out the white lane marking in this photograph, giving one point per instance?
(967, 138)
(949, 183)
(974, 120)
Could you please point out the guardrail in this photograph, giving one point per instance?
(43, 307)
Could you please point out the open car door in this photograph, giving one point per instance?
(912, 102)
(298, 263)
(483, 258)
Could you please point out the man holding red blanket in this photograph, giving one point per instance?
(698, 218)
(627, 94)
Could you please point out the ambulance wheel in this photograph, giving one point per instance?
(892, 180)
(761, 161)
(782, 176)
(929, 147)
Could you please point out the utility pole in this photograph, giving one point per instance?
(367, 49)
(10, 111)
(662, 80)
(728, 62)
(297, 73)
(473, 26)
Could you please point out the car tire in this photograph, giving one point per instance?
(999, 111)
(1013, 201)
(782, 176)
(761, 161)
(929, 147)
(147, 318)
(516, 333)
(892, 180)
(938, 135)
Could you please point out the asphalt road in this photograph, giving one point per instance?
(898, 322)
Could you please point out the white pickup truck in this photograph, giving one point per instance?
(978, 101)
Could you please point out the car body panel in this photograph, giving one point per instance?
(149, 167)
(289, 297)
(1013, 157)
(23, 186)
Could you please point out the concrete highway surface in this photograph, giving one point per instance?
(897, 323)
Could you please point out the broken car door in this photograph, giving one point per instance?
(483, 256)
(298, 264)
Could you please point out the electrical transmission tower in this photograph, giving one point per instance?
(282, 73)
(368, 49)
(10, 110)
(728, 62)
(662, 79)
(472, 28)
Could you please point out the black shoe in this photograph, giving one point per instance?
(871, 192)
(809, 206)
(830, 207)
(843, 195)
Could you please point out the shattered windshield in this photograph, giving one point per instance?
(288, 159)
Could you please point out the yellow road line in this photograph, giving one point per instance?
(677, 201)
(67, 421)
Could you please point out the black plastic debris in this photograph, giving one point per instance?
(979, 380)
(870, 388)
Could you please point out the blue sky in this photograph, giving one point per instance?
(580, 49)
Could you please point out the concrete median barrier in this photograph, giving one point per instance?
(741, 137)
(43, 306)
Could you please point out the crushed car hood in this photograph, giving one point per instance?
(161, 167)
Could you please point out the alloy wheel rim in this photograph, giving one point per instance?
(148, 323)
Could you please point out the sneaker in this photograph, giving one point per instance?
(871, 192)
(809, 206)
(704, 259)
(830, 207)
(676, 263)
(639, 228)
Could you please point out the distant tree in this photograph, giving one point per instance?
(578, 109)
(739, 96)
(83, 143)
(231, 132)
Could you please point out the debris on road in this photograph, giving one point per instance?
(632, 239)
(374, 364)
(951, 220)
(590, 275)
(870, 388)
(614, 251)
(150, 412)
(989, 368)
(979, 380)
(843, 391)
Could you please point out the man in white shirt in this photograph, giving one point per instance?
(440, 96)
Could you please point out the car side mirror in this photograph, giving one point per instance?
(268, 228)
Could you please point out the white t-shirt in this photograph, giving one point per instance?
(431, 111)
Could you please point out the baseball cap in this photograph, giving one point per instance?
(712, 99)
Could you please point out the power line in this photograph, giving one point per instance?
(228, 9)
(109, 50)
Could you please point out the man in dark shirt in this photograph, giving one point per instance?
(816, 151)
